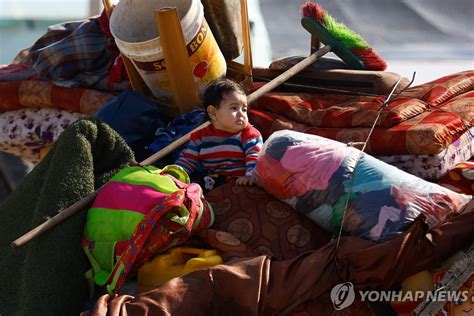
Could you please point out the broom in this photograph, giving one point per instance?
(345, 43)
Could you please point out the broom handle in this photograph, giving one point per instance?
(287, 74)
(86, 201)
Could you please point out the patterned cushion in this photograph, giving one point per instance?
(463, 105)
(427, 133)
(442, 89)
(433, 167)
(250, 222)
(338, 110)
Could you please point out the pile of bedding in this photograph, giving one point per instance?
(68, 73)
(429, 125)
(33, 113)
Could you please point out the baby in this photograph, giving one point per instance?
(228, 148)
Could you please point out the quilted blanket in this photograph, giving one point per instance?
(26, 132)
(33, 113)
(424, 119)
(431, 167)
(21, 94)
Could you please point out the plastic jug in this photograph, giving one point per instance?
(175, 262)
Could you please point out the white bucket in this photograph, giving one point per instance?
(133, 25)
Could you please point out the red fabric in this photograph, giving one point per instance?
(42, 94)
(423, 120)
(428, 133)
(10, 99)
(104, 22)
(117, 71)
(463, 105)
(338, 110)
(15, 72)
(440, 90)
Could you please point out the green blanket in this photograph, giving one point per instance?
(46, 276)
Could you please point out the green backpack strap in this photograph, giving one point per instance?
(96, 275)
(177, 172)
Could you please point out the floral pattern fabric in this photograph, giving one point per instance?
(24, 132)
(433, 167)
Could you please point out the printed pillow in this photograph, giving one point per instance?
(337, 110)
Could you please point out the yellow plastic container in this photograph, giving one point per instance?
(175, 262)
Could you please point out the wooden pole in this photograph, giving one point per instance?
(180, 75)
(248, 65)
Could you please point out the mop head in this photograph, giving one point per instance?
(348, 38)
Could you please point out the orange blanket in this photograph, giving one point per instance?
(425, 119)
(42, 94)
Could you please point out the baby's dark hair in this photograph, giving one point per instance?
(216, 91)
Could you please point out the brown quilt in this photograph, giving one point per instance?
(300, 269)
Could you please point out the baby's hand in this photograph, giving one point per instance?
(244, 180)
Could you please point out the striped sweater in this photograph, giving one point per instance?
(223, 153)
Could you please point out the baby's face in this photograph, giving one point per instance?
(231, 116)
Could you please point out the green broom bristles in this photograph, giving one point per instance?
(342, 33)
(350, 39)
